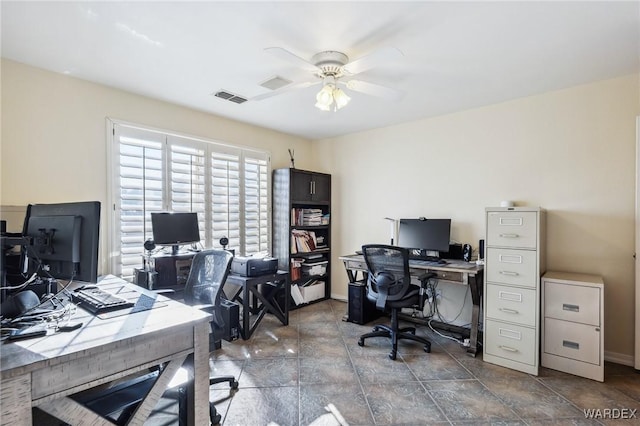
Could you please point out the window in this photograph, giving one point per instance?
(155, 171)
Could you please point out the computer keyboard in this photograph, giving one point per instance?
(422, 262)
(98, 301)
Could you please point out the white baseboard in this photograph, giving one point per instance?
(623, 359)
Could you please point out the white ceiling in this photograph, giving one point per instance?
(457, 55)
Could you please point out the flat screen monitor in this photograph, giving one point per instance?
(425, 234)
(175, 229)
(63, 240)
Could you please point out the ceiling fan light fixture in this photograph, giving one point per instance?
(324, 98)
(340, 98)
(330, 96)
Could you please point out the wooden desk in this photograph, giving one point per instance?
(258, 301)
(455, 272)
(42, 372)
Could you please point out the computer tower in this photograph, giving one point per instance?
(361, 310)
(230, 312)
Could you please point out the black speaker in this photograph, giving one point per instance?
(481, 249)
(230, 313)
(361, 310)
(466, 252)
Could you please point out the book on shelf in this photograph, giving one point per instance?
(308, 217)
(303, 241)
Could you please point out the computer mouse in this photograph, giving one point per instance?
(19, 303)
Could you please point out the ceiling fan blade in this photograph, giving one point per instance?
(289, 88)
(285, 55)
(379, 57)
(374, 89)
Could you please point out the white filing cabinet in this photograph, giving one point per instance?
(572, 327)
(514, 263)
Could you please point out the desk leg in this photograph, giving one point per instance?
(198, 395)
(475, 286)
(246, 308)
(15, 403)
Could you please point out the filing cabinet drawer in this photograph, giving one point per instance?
(511, 304)
(512, 229)
(511, 342)
(517, 267)
(572, 340)
(572, 302)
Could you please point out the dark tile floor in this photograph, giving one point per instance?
(290, 375)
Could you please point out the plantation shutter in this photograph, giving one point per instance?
(187, 180)
(154, 171)
(256, 202)
(225, 198)
(140, 187)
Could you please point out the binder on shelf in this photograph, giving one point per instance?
(296, 295)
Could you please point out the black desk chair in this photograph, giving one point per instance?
(204, 289)
(389, 287)
(208, 273)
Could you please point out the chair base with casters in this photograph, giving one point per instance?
(395, 333)
(390, 288)
(214, 416)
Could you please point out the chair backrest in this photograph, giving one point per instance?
(209, 271)
(388, 272)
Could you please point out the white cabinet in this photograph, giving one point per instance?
(572, 327)
(514, 263)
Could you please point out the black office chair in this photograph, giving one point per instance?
(389, 287)
(208, 273)
(204, 289)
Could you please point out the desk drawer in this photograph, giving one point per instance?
(457, 277)
(511, 304)
(572, 303)
(511, 341)
(359, 265)
(517, 267)
(572, 340)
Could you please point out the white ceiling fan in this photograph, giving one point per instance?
(332, 69)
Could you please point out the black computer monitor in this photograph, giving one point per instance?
(63, 240)
(175, 229)
(425, 235)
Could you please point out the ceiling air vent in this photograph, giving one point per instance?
(275, 83)
(223, 94)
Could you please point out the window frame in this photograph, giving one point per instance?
(168, 139)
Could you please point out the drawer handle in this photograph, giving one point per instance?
(508, 348)
(509, 334)
(511, 297)
(509, 235)
(571, 345)
(509, 311)
(509, 273)
(572, 308)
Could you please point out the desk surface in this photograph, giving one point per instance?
(54, 366)
(452, 265)
(23, 356)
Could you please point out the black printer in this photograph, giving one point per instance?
(254, 266)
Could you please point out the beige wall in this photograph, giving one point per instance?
(54, 144)
(571, 152)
